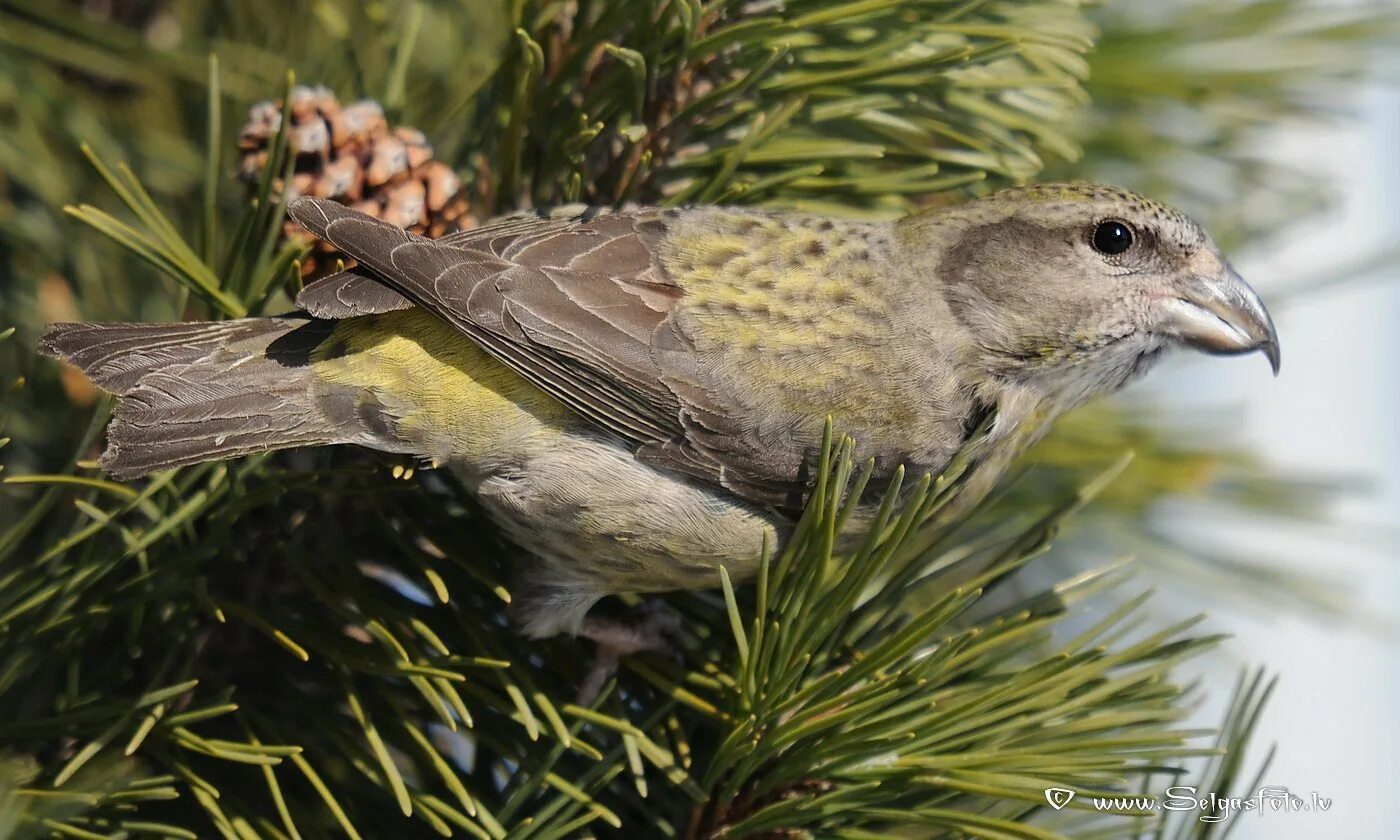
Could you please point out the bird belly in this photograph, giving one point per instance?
(598, 519)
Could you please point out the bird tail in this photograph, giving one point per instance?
(196, 392)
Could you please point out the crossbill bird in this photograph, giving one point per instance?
(638, 397)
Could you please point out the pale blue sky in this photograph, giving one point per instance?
(1334, 410)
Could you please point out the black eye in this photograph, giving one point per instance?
(1112, 238)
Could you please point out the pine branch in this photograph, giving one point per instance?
(316, 643)
(817, 103)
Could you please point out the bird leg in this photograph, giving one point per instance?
(645, 628)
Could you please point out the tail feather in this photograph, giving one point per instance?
(207, 391)
(116, 356)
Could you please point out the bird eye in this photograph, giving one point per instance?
(1112, 238)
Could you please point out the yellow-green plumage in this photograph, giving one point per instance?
(447, 395)
(776, 294)
(596, 520)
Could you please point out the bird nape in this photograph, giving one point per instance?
(637, 397)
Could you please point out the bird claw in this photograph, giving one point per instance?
(644, 630)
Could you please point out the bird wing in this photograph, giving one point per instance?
(714, 341)
(576, 307)
(358, 291)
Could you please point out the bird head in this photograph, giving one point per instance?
(1082, 286)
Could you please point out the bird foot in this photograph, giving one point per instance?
(644, 629)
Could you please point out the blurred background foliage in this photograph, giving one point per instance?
(863, 107)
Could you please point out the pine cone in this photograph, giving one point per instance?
(350, 154)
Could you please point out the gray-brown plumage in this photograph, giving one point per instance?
(638, 397)
(588, 312)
